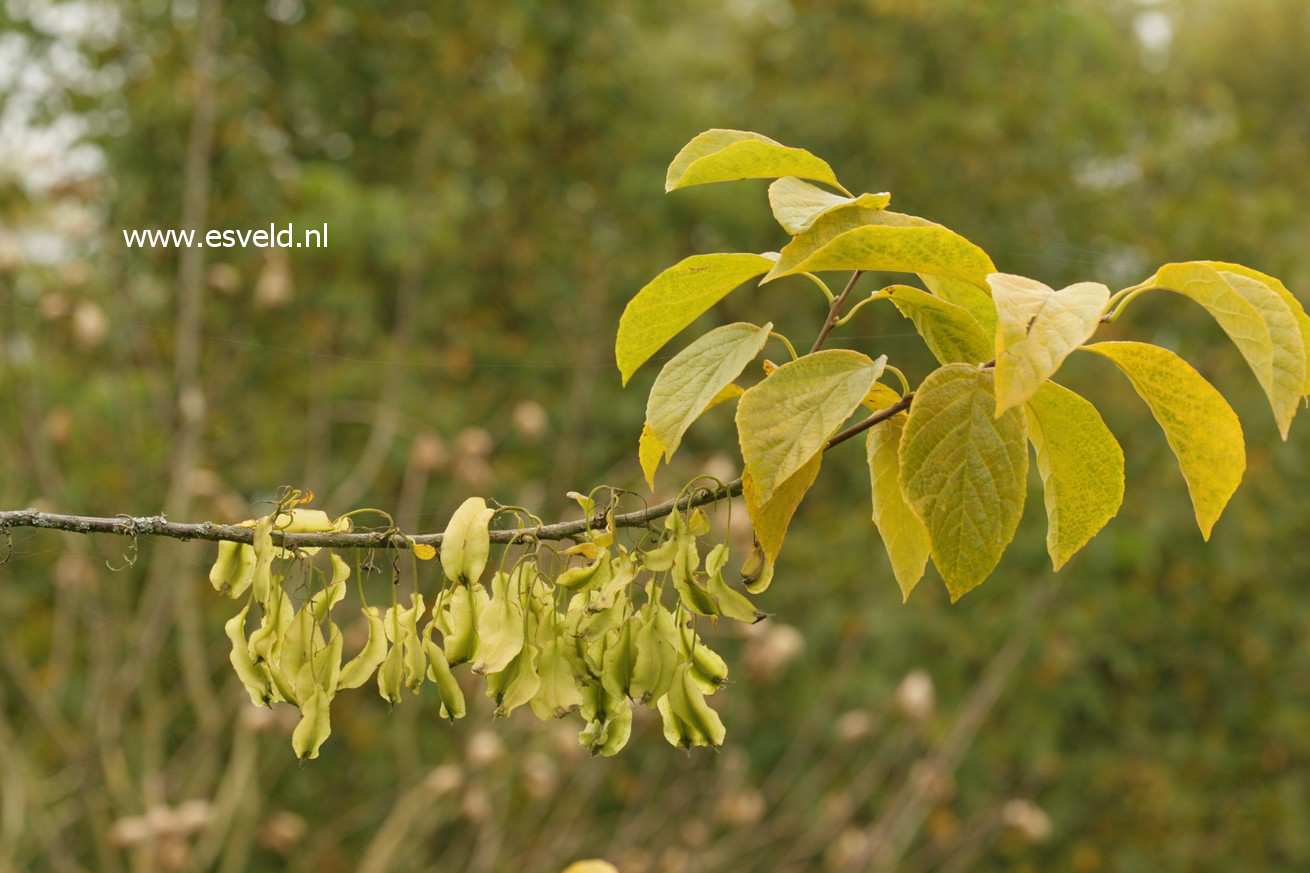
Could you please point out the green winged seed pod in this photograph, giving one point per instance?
(466, 543)
(559, 692)
(618, 727)
(326, 662)
(414, 659)
(359, 668)
(679, 733)
(314, 727)
(265, 552)
(660, 558)
(301, 640)
(688, 702)
(707, 669)
(500, 627)
(233, 570)
(584, 576)
(452, 696)
(652, 671)
(266, 641)
(756, 571)
(391, 675)
(731, 602)
(457, 619)
(256, 681)
(623, 571)
(516, 684)
(621, 660)
(596, 625)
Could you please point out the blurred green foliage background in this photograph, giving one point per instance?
(491, 176)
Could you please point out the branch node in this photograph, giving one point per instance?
(129, 528)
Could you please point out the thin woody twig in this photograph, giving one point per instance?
(834, 310)
(159, 526)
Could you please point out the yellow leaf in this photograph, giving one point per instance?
(1258, 321)
(1082, 468)
(424, 552)
(783, 420)
(649, 448)
(649, 452)
(964, 473)
(719, 155)
(1036, 330)
(902, 532)
(770, 516)
(726, 393)
(856, 237)
(676, 298)
(1200, 426)
(797, 205)
(693, 377)
(880, 396)
(1298, 311)
(966, 294)
(950, 332)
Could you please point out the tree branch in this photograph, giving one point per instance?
(834, 310)
(159, 526)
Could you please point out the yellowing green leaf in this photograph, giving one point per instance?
(694, 376)
(1257, 320)
(719, 155)
(1036, 330)
(1298, 311)
(649, 452)
(951, 333)
(964, 472)
(880, 396)
(649, 448)
(965, 294)
(676, 298)
(1082, 468)
(770, 516)
(1201, 427)
(902, 532)
(797, 204)
(726, 393)
(855, 237)
(783, 420)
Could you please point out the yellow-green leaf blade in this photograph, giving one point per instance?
(1298, 311)
(857, 238)
(1036, 329)
(720, 155)
(692, 378)
(771, 516)
(951, 333)
(797, 204)
(964, 472)
(783, 420)
(1258, 322)
(1201, 427)
(966, 294)
(902, 532)
(676, 298)
(1082, 468)
(649, 452)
